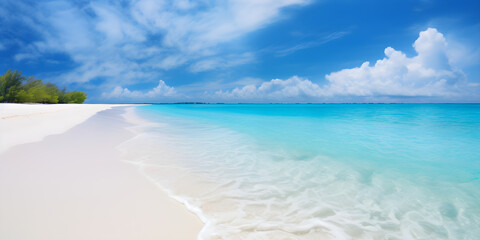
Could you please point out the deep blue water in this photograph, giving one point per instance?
(380, 171)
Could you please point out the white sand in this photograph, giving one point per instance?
(24, 123)
(73, 185)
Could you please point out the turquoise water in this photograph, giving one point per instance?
(328, 171)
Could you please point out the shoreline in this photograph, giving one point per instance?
(138, 122)
(74, 185)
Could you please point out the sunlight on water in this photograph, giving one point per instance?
(317, 171)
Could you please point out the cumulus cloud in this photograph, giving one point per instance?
(428, 74)
(161, 91)
(277, 90)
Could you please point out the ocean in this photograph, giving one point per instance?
(317, 171)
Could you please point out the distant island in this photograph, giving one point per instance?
(15, 88)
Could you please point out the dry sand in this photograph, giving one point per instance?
(24, 123)
(74, 185)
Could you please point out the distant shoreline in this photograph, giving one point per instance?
(220, 103)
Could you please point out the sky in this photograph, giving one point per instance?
(248, 51)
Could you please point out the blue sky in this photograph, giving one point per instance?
(248, 50)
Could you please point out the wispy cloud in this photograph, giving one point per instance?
(221, 62)
(309, 44)
(136, 40)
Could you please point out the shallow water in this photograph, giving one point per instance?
(305, 171)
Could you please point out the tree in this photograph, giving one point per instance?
(52, 92)
(9, 85)
(16, 88)
(75, 97)
(61, 96)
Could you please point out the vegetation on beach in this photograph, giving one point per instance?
(15, 88)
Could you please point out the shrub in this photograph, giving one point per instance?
(16, 88)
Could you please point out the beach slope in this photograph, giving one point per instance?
(74, 186)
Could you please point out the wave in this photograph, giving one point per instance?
(243, 188)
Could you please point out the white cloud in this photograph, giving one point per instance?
(23, 56)
(113, 24)
(305, 45)
(222, 62)
(142, 37)
(170, 61)
(429, 74)
(204, 89)
(276, 90)
(207, 23)
(161, 91)
(64, 28)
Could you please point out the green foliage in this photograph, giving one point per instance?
(75, 97)
(10, 83)
(18, 89)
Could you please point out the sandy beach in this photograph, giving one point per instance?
(61, 177)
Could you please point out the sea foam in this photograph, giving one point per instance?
(245, 188)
